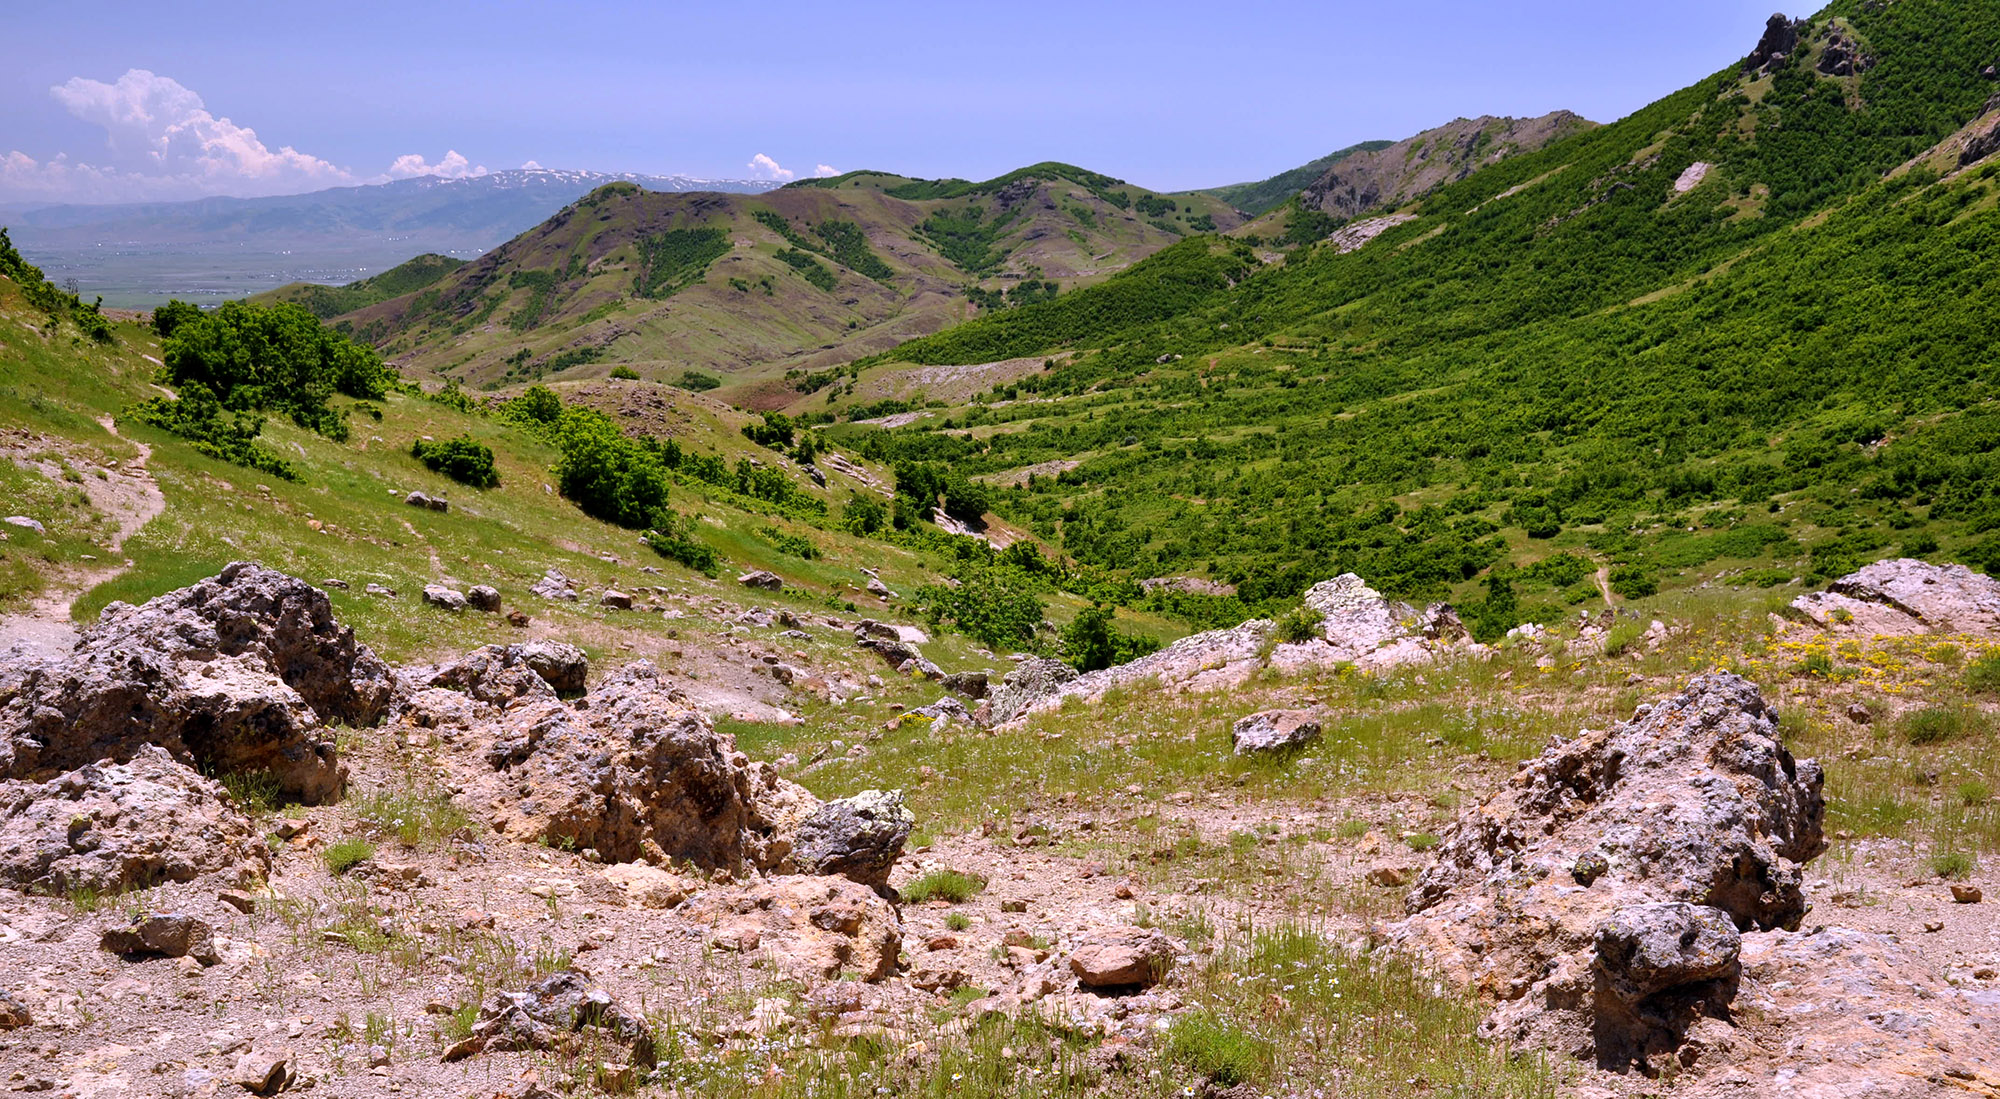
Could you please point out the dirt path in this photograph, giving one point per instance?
(1604, 584)
(128, 495)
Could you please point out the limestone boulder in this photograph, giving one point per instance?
(237, 674)
(563, 1012)
(859, 837)
(1274, 731)
(1903, 597)
(635, 772)
(164, 935)
(111, 827)
(1121, 957)
(1587, 899)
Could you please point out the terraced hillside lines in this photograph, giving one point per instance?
(1563, 362)
(755, 287)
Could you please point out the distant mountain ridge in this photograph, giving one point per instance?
(143, 253)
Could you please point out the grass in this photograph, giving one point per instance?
(943, 885)
(957, 921)
(1219, 1050)
(1938, 724)
(345, 854)
(257, 792)
(1953, 865)
(424, 821)
(1982, 676)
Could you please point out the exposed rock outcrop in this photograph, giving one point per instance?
(635, 772)
(1905, 596)
(164, 935)
(1780, 41)
(1036, 678)
(1388, 178)
(499, 674)
(110, 827)
(236, 674)
(1598, 899)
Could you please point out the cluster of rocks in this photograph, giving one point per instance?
(1358, 626)
(102, 751)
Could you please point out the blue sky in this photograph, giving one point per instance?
(160, 100)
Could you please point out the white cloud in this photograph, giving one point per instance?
(825, 171)
(763, 167)
(452, 166)
(161, 141)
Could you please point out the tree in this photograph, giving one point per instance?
(169, 317)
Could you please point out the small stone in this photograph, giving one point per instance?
(239, 900)
(1122, 957)
(1389, 877)
(445, 598)
(1933, 927)
(25, 523)
(1274, 731)
(1013, 906)
(13, 1013)
(169, 934)
(517, 620)
(759, 578)
(1859, 714)
(1966, 894)
(483, 597)
(1589, 867)
(617, 600)
(264, 1072)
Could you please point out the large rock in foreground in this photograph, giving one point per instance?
(112, 827)
(814, 928)
(1906, 597)
(236, 674)
(636, 773)
(1600, 897)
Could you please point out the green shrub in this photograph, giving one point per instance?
(1983, 674)
(344, 855)
(998, 607)
(1634, 581)
(255, 791)
(277, 358)
(943, 885)
(795, 544)
(1953, 865)
(225, 436)
(1974, 792)
(463, 459)
(624, 373)
(415, 819)
(697, 382)
(1300, 626)
(675, 541)
(1937, 724)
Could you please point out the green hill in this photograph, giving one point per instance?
(772, 292)
(1743, 334)
(331, 301)
(1265, 195)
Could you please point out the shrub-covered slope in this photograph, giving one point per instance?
(755, 287)
(1730, 333)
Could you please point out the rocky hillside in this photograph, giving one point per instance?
(754, 288)
(1263, 195)
(1386, 178)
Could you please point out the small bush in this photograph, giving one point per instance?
(1622, 637)
(1422, 841)
(255, 791)
(1300, 626)
(1983, 674)
(345, 855)
(1218, 1050)
(698, 382)
(1974, 792)
(462, 459)
(943, 885)
(1936, 725)
(624, 374)
(416, 820)
(958, 921)
(797, 545)
(1953, 865)
(675, 541)
(1634, 581)
(1353, 828)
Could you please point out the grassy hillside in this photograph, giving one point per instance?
(767, 291)
(1599, 356)
(1265, 195)
(331, 301)
(65, 408)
